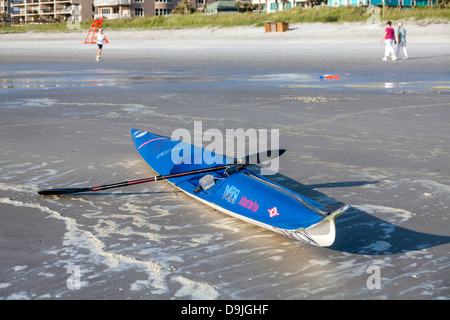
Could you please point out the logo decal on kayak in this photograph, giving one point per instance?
(249, 204)
(273, 212)
(230, 194)
(163, 153)
(139, 134)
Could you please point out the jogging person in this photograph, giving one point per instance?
(100, 39)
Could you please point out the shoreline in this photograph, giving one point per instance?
(310, 47)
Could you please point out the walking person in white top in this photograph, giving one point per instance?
(100, 39)
(401, 33)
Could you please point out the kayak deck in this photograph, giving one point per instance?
(239, 192)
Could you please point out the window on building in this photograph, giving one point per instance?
(162, 12)
(138, 11)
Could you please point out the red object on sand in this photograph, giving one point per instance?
(330, 76)
(95, 26)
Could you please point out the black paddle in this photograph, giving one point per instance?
(249, 159)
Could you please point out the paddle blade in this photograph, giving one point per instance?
(260, 157)
(48, 192)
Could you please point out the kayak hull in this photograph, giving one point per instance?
(241, 193)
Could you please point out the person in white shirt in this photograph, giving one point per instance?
(100, 39)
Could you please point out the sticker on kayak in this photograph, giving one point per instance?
(139, 134)
(163, 138)
(230, 194)
(249, 204)
(273, 212)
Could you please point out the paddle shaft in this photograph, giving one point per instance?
(242, 162)
(58, 191)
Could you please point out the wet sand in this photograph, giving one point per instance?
(377, 138)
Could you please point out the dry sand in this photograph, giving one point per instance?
(346, 40)
(378, 139)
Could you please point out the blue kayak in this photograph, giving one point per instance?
(238, 191)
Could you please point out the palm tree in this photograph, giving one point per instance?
(238, 5)
(4, 16)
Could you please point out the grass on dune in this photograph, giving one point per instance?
(295, 15)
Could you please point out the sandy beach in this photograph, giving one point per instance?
(377, 138)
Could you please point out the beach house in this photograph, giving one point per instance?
(403, 3)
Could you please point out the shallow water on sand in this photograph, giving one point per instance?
(383, 149)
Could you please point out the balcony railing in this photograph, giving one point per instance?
(23, 2)
(112, 16)
(99, 3)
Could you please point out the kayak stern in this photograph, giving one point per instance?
(321, 234)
